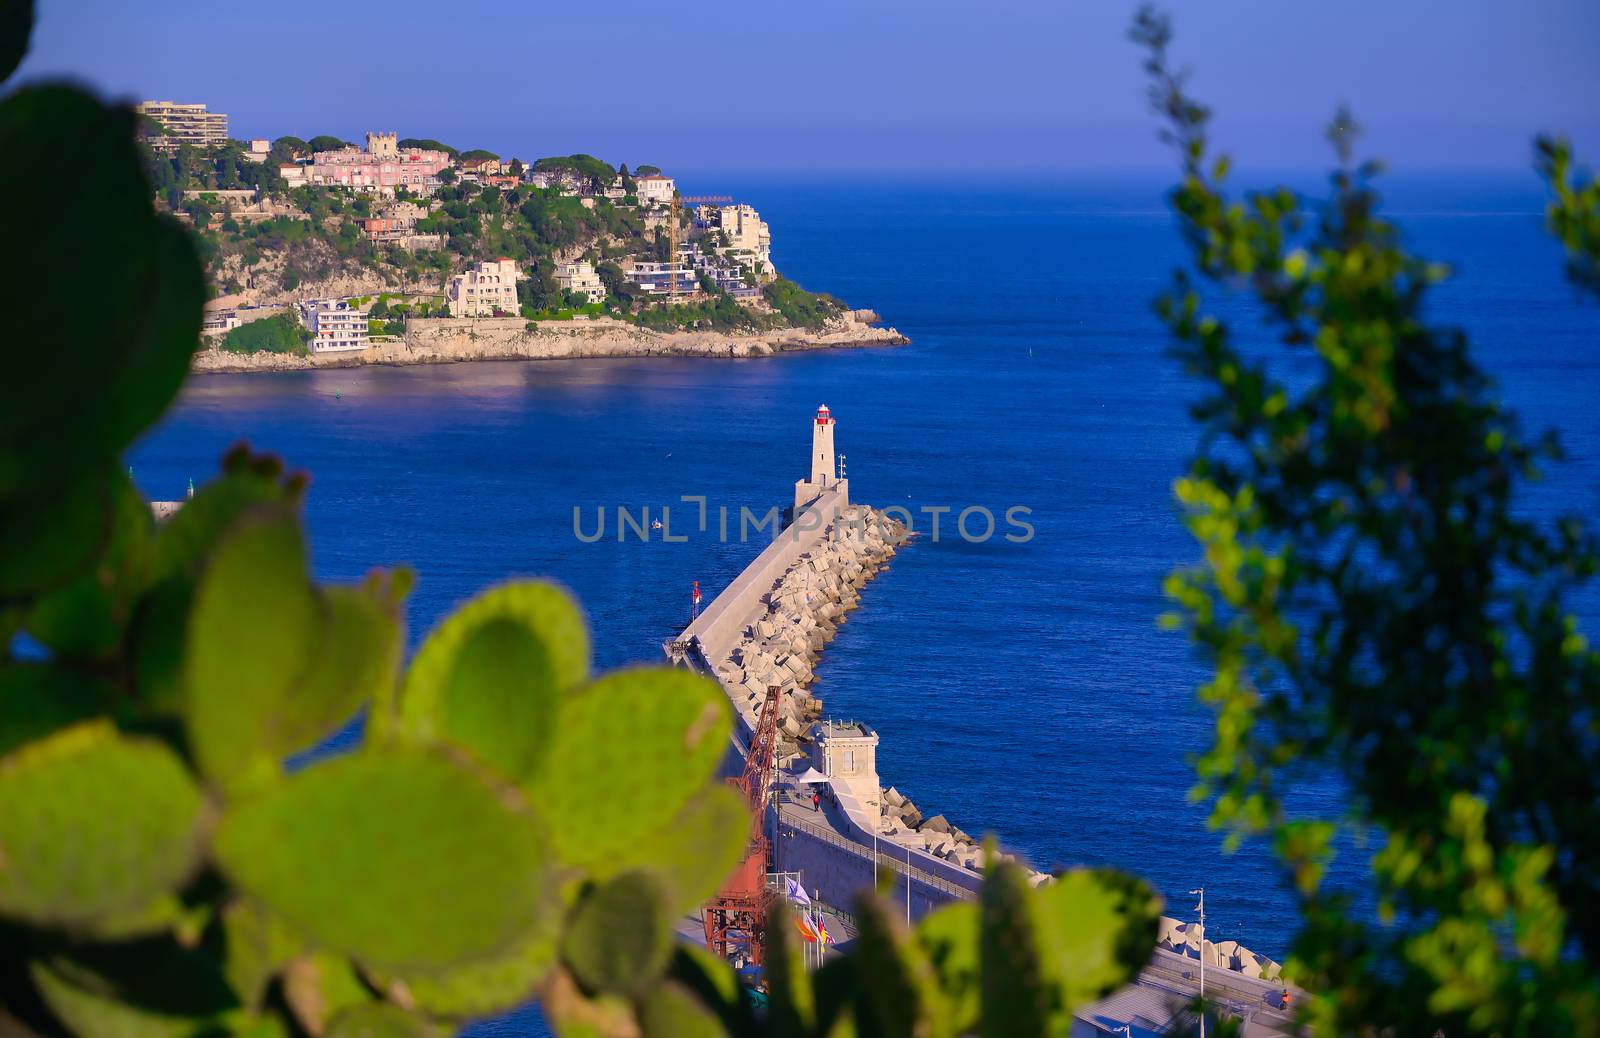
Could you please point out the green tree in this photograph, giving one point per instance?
(280, 333)
(1374, 604)
(327, 143)
(427, 144)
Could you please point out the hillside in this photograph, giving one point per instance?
(266, 242)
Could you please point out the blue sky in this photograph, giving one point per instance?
(853, 84)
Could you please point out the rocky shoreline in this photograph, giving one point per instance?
(782, 647)
(450, 341)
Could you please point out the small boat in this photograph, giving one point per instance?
(656, 525)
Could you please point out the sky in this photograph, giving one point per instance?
(870, 85)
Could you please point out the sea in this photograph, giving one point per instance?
(1020, 686)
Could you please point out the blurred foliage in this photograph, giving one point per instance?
(181, 853)
(1379, 607)
(1573, 215)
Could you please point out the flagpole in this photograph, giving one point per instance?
(1202, 910)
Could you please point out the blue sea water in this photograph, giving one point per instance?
(1018, 688)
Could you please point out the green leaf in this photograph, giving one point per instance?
(258, 945)
(620, 938)
(792, 1010)
(949, 935)
(712, 981)
(1098, 929)
(16, 24)
(458, 689)
(54, 535)
(83, 390)
(898, 987)
(251, 630)
(142, 988)
(1044, 951)
(696, 850)
(356, 660)
(274, 664)
(378, 1020)
(1017, 1002)
(671, 1011)
(488, 987)
(184, 541)
(39, 698)
(95, 824)
(403, 858)
(646, 741)
(499, 698)
(86, 618)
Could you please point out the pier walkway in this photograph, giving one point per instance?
(835, 850)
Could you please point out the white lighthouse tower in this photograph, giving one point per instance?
(824, 472)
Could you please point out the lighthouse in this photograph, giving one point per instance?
(824, 472)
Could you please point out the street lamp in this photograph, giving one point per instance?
(1201, 908)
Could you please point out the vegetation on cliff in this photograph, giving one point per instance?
(280, 333)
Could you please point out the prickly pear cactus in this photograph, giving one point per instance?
(177, 859)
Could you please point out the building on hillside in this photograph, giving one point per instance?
(484, 167)
(382, 167)
(581, 277)
(563, 180)
(655, 189)
(185, 124)
(487, 290)
(749, 238)
(294, 174)
(336, 325)
(503, 181)
(656, 279)
(258, 149)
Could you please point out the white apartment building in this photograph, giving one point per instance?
(581, 277)
(749, 239)
(655, 189)
(336, 326)
(479, 293)
(185, 124)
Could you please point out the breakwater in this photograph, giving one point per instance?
(455, 340)
(768, 628)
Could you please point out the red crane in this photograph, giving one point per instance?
(737, 916)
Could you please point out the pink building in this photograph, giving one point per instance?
(382, 167)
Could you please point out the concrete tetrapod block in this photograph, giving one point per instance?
(938, 824)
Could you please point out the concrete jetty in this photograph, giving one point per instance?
(769, 627)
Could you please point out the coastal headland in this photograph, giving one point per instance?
(454, 340)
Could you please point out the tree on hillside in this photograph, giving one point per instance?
(427, 144)
(477, 154)
(1375, 601)
(596, 173)
(287, 149)
(647, 171)
(327, 143)
(515, 167)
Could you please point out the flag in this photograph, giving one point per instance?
(794, 891)
(822, 932)
(804, 927)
